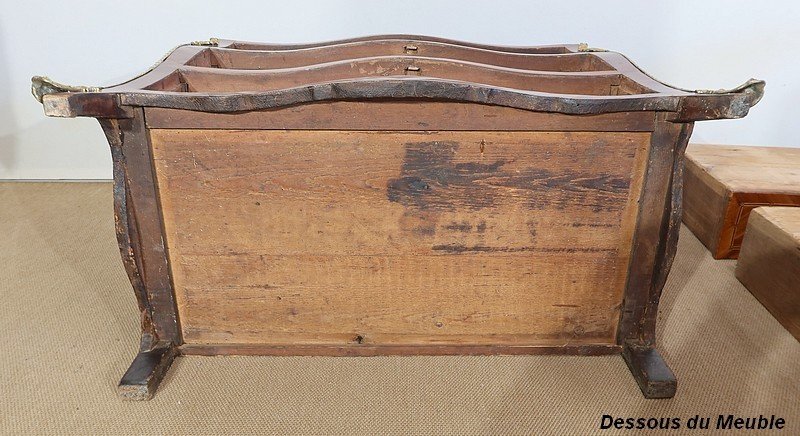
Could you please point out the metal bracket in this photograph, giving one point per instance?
(210, 42)
(750, 84)
(41, 86)
(584, 48)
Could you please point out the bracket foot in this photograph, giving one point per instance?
(654, 377)
(146, 372)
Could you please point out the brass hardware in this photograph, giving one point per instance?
(412, 69)
(41, 86)
(584, 48)
(410, 48)
(746, 86)
(212, 42)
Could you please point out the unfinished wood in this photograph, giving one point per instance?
(395, 350)
(724, 183)
(398, 115)
(769, 263)
(335, 237)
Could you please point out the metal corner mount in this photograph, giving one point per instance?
(584, 48)
(754, 86)
(41, 86)
(213, 42)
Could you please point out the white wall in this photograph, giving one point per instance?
(690, 44)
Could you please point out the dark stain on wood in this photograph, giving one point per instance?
(460, 248)
(430, 179)
(593, 225)
(531, 229)
(463, 227)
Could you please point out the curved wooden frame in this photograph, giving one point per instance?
(395, 68)
(171, 92)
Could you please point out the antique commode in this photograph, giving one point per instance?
(396, 195)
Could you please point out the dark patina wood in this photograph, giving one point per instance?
(141, 379)
(139, 235)
(300, 116)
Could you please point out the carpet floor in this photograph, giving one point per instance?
(69, 329)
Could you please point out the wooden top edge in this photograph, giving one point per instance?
(395, 88)
(249, 45)
(404, 88)
(786, 218)
(749, 169)
(734, 147)
(688, 106)
(519, 55)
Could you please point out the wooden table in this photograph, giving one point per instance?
(723, 183)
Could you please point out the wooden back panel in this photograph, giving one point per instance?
(398, 238)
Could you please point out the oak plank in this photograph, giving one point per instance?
(406, 237)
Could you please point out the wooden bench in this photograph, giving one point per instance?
(723, 183)
(769, 263)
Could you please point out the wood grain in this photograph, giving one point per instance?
(405, 238)
(769, 263)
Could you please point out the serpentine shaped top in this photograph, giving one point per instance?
(232, 76)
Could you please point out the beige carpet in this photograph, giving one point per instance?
(68, 330)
